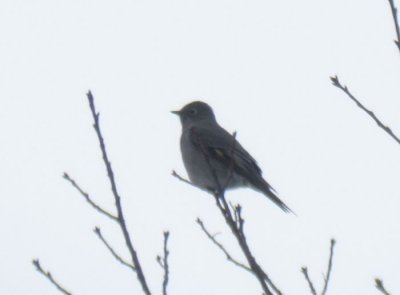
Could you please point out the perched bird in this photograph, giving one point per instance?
(214, 159)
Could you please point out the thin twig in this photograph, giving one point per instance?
(221, 247)
(257, 270)
(48, 275)
(87, 197)
(328, 272)
(120, 214)
(164, 263)
(310, 284)
(336, 82)
(380, 287)
(174, 174)
(97, 231)
(396, 23)
(237, 231)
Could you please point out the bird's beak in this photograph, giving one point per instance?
(176, 112)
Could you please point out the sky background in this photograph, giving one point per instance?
(264, 67)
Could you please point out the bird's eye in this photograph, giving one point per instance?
(193, 111)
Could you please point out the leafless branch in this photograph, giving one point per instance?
(396, 22)
(87, 197)
(380, 287)
(328, 272)
(163, 261)
(336, 82)
(48, 275)
(120, 214)
(174, 174)
(235, 221)
(304, 270)
(97, 231)
(220, 246)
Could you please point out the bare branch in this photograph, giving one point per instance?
(236, 224)
(111, 177)
(336, 82)
(87, 197)
(174, 174)
(220, 246)
(380, 287)
(97, 231)
(328, 272)
(235, 221)
(164, 263)
(257, 269)
(48, 275)
(304, 270)
(396, 23)
(237, 230)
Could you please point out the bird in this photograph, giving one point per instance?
(214, 159)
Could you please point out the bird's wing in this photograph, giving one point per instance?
(216, 142)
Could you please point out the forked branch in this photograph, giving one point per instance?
(120, 215)
(327, 277)
(98, 233)
(163, 262)
(328, 272)
(221, 247)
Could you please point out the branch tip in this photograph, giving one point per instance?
(48, 275)
(335, 80)
(379, 285)
(304, 270)
(345, 89)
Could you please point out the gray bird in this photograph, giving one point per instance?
(212, 156)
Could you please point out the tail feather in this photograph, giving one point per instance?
(267, 190)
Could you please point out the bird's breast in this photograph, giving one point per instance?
(199, 168)
(194, 161)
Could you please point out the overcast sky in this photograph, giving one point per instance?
(264, 67)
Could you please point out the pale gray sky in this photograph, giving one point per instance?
(264, 67)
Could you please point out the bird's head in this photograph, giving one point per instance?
(194, 112)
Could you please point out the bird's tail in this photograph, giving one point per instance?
(264, 187)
